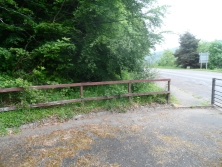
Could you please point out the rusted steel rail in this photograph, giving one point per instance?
(82, 99)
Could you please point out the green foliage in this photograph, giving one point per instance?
(215, 58)
(76, 40)
(17, 118)
(167, 59)
(187, 53)
(55, 60)
(203, 46)
(30, 96)
(51, 42)
(215, 50)
(7, 82)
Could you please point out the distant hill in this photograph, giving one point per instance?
(161, 52)
(155, 56)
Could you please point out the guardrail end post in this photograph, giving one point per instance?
(213, 91)
(168, 95)
(129, 90)
(81, 96)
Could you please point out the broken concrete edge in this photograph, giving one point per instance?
(196, 107)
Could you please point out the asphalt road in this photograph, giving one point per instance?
(197, 83)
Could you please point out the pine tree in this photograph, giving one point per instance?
(187, 54)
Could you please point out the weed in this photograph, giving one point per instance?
(161, 100)
(205, 103)
(3, 130)
(197, 97)
(174, 100)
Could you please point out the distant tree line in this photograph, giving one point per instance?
(188, 53)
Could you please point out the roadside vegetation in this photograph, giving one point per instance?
(214, 70)
(11, 121)
(188, 54)
(167, 59)
(54, 42)
(197, 69)
(72, 41)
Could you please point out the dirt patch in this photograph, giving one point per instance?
(49, 149)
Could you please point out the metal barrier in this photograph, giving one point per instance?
(82, 99)
(216, 98)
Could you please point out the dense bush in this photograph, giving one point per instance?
(167, 59)
(75, 40)
(215, 58)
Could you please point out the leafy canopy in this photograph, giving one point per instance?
(76, 40)
(215, 58)
(203, 46)
(215, 52)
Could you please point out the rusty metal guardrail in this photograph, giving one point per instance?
(82, 85)
(216, 97)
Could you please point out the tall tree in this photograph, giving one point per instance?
(78, 40)
(187, 54)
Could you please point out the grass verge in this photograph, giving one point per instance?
(174, 100)
(208, 70)
(179, 68)
(169, 67)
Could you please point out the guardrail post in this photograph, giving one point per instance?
(213, 91)
(81, 91)
(129, 90)
(81, 95)
(168, 95)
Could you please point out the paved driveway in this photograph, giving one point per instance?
(142, 137)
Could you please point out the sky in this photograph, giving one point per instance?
(202, 18)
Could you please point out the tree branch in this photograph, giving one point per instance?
(1, 19)
(58, 11)
(14, 12)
